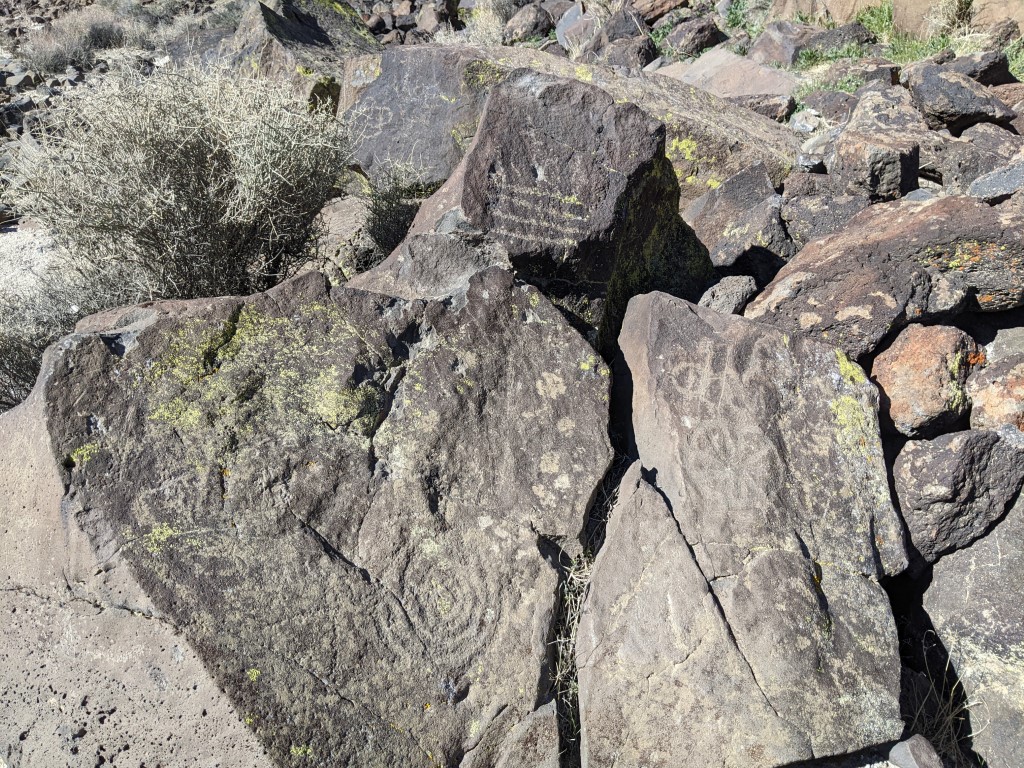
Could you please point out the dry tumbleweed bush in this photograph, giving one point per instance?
(182, 184)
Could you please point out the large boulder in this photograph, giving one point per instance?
(949, 99)
(578, 190)
(896, 263)
(89, 670)
(740, 566)
(725, 74)
(953, 488)
(974, 602)
(319, 48)
(350, 506)
(707, 139)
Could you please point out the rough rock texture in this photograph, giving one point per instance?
(896, 263)
(999, 184)
(432, 266)
(693, 37)
(877, 152)
(997, 394)
(953, 488)
(724, 73)
(723, 578)
(578, 190)
(952, 100)
(975, 604)
(985, 67)
(707, 140)
(781, 42)
(88, 668)
(740, 223)
(528, 22)
(730, 294)
(915, 752)
(812, 206)
(922, 376)
(332, 494)
(312, 45)
(419, 115)
(533, 743)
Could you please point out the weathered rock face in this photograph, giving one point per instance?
(88, 670)
(997, 394)
(974, 603)
(419, 115)
(578, 191)
(315, 46)
(707, 139)
(896, 263)
(813, 206)
(332, 495)
(953, 488)
(725, 578)
(878, 152)
(949, 99)
(724, 74)
(923, 375)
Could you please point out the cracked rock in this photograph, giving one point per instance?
(349, 505)
(752, 568)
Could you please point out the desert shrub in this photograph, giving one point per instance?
(183, 184)
(486, 23)
(75, 39)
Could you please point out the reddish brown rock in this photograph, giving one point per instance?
(897, 263)
(922, 377)
(997, 394)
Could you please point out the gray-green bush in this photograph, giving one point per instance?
(182, 184)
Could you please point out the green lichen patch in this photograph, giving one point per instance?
(82, 454)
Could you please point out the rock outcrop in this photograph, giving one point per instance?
(349, 505)
(894, 264)
(578, 190)
(735, 424)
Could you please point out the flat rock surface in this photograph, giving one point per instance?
(349, 505)
(974, 603)
(737, 423)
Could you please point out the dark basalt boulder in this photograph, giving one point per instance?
(350, 506)
(747, 557)
(898, 263)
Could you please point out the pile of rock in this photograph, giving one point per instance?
(342, 522)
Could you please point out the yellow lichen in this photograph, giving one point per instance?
(849, 370)
(81, 455)
(156, 538)
(253, 674)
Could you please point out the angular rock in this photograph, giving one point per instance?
(922, 376)
(777, 108)
(877, 153)
(998, 185)
(781, 42)
(652, 10)
(724, 74)
(974, 603)
(691, 38)
(297, 489)
(419, 115)
(894, 264)
(88, 668)
(432, 266)
(997, 394)
(527, 183)
(528, 22)
(313, 47)
(834, 106)
(951, 100)
(986, 67)
(708, 140)
(730, 294)
(633, 53)
(953, 488)
(915, 752)
(735, 422)
(812, 207)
